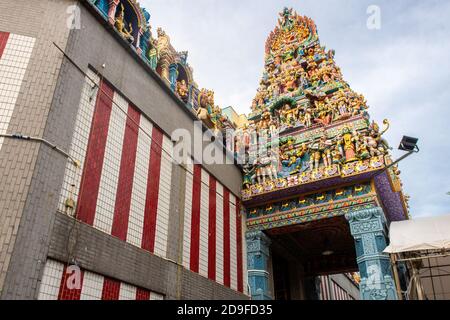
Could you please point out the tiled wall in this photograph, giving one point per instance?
(124, 184)
(80, 139)
(15, 54)
(56, 284)
(43, 108)
(212, 245)
(138, 196)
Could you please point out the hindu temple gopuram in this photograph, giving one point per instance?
(314, 169)
(91, 189)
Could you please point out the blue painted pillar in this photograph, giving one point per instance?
(368, 228)
(257, 263)
(173, 75)
(145, 39)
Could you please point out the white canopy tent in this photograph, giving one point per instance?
(421, 234)
(424, 244)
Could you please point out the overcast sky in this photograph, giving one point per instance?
(403, 69)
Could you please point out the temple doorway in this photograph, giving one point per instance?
(281, 281)
(307, 261)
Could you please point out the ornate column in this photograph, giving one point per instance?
(257, 262)
(368, 228)
(173, 75)
(112, 11)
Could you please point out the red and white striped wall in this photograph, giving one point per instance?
(123, 184)
(330, 290)
(325, 293)
(213, 230)
(58, 284)
(123, 188)
(339, 293)
(15, 54)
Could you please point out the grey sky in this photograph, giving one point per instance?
(403, 69)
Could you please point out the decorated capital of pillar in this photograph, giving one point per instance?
(368, 228)
(257, 263)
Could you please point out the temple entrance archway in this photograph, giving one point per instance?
(285, 262)
(302, 253)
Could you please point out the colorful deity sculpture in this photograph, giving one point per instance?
(266, 119)
(202, 113)
(288, 115)
(294, 160)
(320, 150)
(153, 54)
(249, 175)
(362, 148)
(336, 155)
(323, 113)
(267, 167)
(205, 99)
(121, 27)
(182, 90)
(286, 18)
(348, 140)
(307, 118)
(375, 143)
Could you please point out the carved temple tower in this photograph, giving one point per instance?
(317, 190)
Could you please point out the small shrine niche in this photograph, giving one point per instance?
(184, 80)
(130, 20)
(127, 22)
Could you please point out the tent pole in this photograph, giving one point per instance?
(396, 277)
